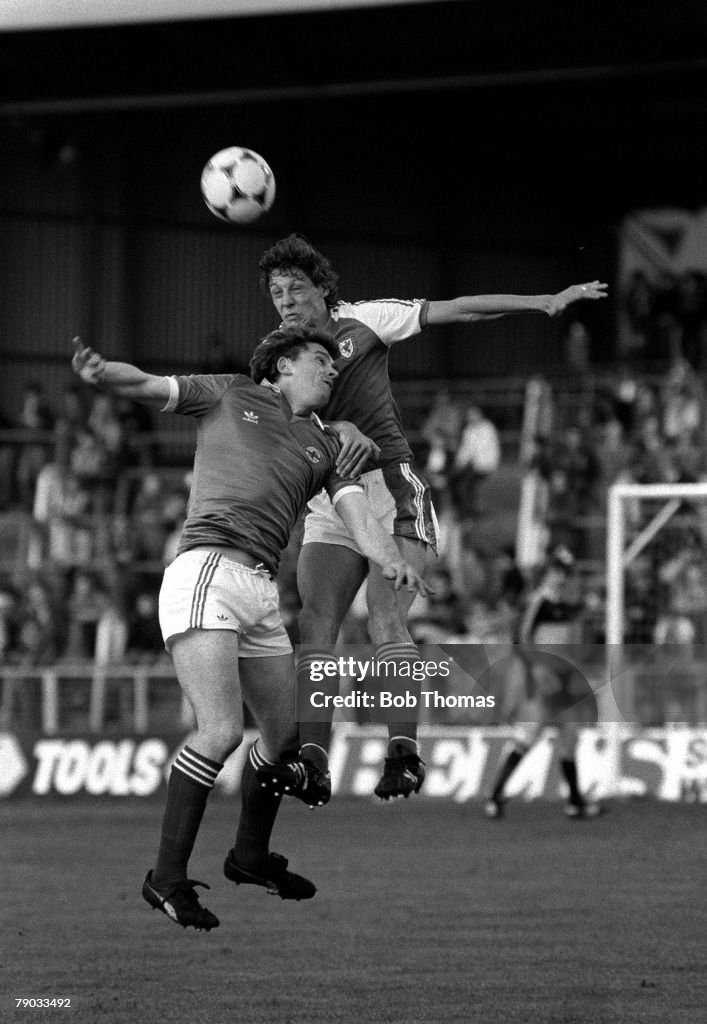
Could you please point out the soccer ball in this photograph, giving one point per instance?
(237, 185)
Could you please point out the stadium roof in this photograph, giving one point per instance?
(335, 47)
(626, 80)
(38, 14)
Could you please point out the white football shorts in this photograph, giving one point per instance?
(207, 590)
(401, 501)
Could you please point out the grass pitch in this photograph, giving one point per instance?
(426, 914)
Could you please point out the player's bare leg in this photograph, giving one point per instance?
(206, 665)
(268, 690)
(328, 577)
(404, 771)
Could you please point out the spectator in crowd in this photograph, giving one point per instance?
(174, 512)
(640, 303)
(476, 458)
(144, 641)
(8, 455)
(624, 398)
(40, 629)
(89, 460)
(444, 421)
(107, 426)
(86, 603)
(149, 520)
(122, 540)
(650, 306)
(112, 625)
(688, 458)
(682, 402)
(573, 480)
(577, 355)
(35, 415)
(684, 617)
(639, 601)
(651, 459)
(20, 462)
(436, 470)
(37, 639)
(140, 447)
(613, 456)
(62, 522)
(506, 583)
(9, 621)
(691, 308)
(71, 415)
(441, 431)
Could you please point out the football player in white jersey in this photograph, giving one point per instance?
(303, 287)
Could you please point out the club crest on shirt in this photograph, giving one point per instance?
(347, 348)
(313, 454)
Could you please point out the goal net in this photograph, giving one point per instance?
(656, 599)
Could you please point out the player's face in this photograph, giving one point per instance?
(297, 300)
(312, 380)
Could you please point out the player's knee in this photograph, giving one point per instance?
(222, 738)
(318, 625)
(387, 625)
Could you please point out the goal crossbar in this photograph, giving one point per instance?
(619, 555)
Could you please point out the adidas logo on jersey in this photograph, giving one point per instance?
(250, 417)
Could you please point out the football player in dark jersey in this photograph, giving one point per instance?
(551, 689)
(261, 454)
(303, 286)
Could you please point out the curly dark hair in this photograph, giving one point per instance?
(286, 341)
(296, 251)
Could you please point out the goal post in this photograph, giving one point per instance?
(656, 596)
(628, 535)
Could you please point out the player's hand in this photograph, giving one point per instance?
(575, 293)
(87, 364)
(401, 574)
(356, 449)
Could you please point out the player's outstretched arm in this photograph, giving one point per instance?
(356, 449)
(377, 545)
(471, 308)
(120, 379)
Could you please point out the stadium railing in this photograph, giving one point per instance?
(86, 698)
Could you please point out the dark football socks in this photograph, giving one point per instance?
(400, 653)
(259, 807)
(509, 766)
(191, 780)
(569, 770)
(319, 732)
